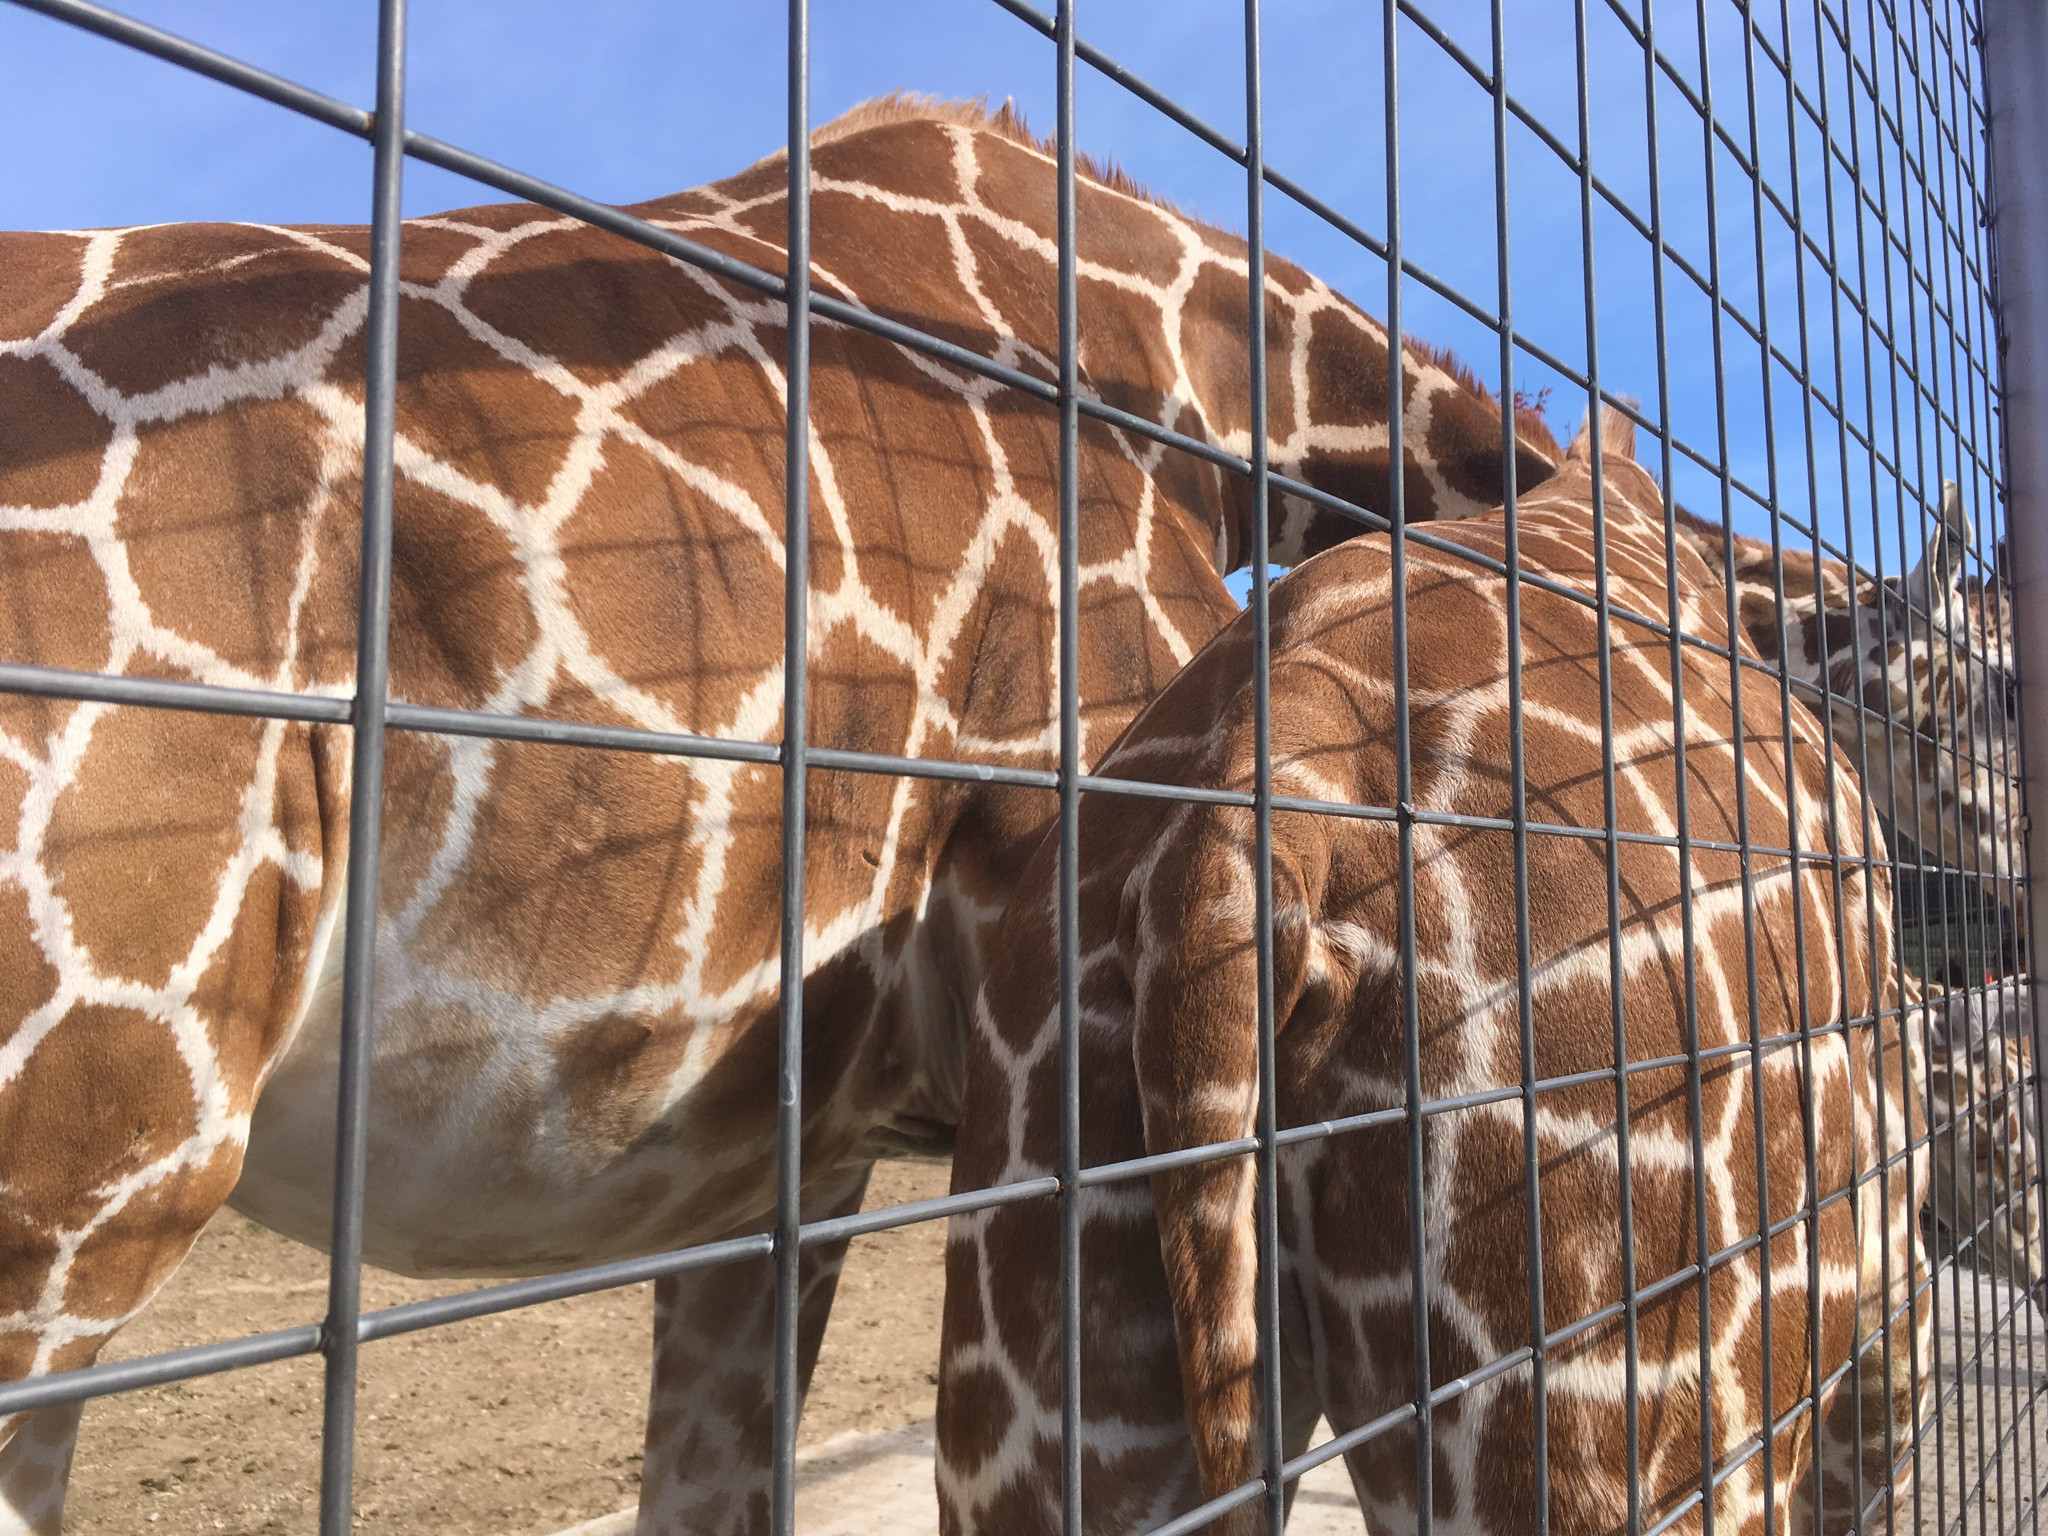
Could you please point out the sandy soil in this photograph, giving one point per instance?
(516, 1425)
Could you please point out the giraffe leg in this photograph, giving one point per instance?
(35, 1466)
(1868, 1427)
(710, 1410)
(1301, 1400)
(999, 1469)
(1866, 1431)
(108, 1183)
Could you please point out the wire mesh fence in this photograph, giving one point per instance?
(1541, 990)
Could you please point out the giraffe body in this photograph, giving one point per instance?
(1169, 1062)
(577, 950)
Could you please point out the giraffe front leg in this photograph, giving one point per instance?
(1867, 1435)
(710, 1409)
(109, 1167)
(35, 1466)
(999, 1425)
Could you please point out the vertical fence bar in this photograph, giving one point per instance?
(1809, 1110)
(1739, 743)
(1928, 1370)
(1804, 351)
(1860, 750)
(1603, 614)
(1681, 811)
(1404, 793)
(366, 784)
(1811, 1193)
(789, 1083)
(1262, 791)
(1980, 343)
(1069, 783)
(1917, 1367)
(2023, 1173)
(2014, 41)
(2015, 44)
(1961, 752)
(1942, 619)
(1926, 491)
(1518, 804)
(1267, 1211)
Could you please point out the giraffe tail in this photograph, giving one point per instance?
(1195, 1047)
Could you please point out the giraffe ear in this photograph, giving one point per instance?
(1940, 571)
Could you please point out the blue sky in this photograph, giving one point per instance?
(625, 99)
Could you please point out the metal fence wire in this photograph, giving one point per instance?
(1842, 153)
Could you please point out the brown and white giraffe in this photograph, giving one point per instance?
(1169, 1062)
(577, 949)
(1983, 1199)
(1914, 669)
(1914, 674)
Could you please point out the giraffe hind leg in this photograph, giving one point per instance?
(710, 1409)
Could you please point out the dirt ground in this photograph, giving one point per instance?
(526, 1423)
(516, 1425)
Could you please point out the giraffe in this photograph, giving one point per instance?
(1913, 672)
(1169, 1061)
(1913, 668)
(1983, 1148)
(577, 950)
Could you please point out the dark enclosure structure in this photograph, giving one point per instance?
(1854, 231)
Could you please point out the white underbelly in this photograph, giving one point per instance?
(474, 1167)
(494, 1150)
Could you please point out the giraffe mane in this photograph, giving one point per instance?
(1006, 120)
(1614, 430)
(1531, 424)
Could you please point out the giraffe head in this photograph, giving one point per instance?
(1913, 672)
(1921, 676)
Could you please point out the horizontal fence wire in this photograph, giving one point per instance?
(1891, 102)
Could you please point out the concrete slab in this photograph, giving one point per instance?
(1986, 1449)
(881, 1485)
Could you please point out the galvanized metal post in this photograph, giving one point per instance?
(2015, 40)
(796, 570)
(340, 1337)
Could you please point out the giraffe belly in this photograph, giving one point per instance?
(488, 1157)
(476, 1166)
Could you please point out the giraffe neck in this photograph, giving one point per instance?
(1920, 702)
(1797, 634)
